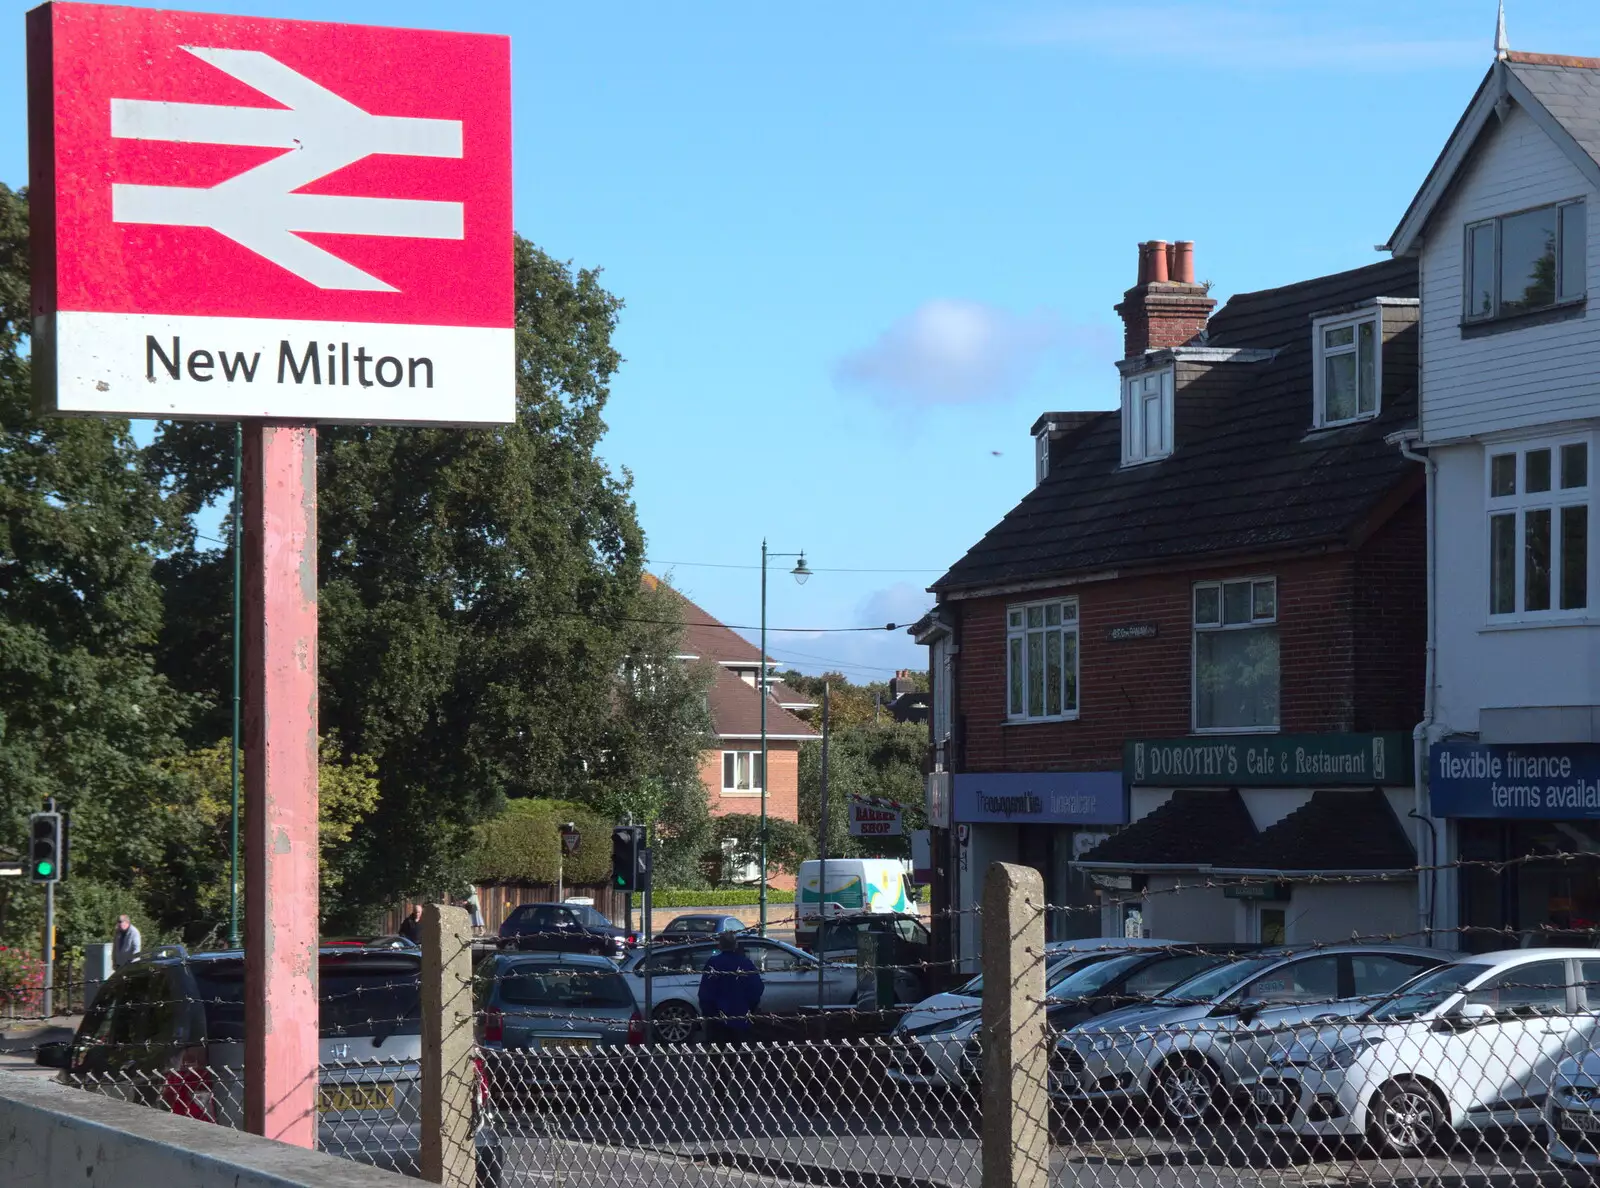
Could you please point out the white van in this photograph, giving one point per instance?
(855, 885)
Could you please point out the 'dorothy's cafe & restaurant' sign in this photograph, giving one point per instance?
(1269, 760)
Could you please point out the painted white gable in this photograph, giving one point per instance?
(1521, 376)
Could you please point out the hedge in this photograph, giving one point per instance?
(723, 898)
(523, 844)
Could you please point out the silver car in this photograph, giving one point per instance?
(1196, 1043)
(789, 978)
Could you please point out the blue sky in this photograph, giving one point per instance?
(863, 246)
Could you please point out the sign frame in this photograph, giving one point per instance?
(1270, 761)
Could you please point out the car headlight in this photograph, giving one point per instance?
(1344, 1055)
(1108, 1043)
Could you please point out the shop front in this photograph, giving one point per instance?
(1523, 841)
(1269, 838)
(1041, 819)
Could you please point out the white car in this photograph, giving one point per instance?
(930, 1040)
(1190, 1049)
(1573, 1111)
(1470, 1046)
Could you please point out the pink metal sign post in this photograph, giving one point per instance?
(284, 223)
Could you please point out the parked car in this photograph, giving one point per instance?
(167, 1030)
(562, 928)
(698, 926)
(789, 979)
(937, 1054)
(1573, 1111)
(1062, 958)
(541, 1015)
(906, 936)
(1193, 1046)
(1467, 1047)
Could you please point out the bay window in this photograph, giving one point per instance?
(1236, 655)
(1539, 524)
(1042, 660)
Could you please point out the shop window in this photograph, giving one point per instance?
(1539, 530)
(1042, 660)
(1236, 655)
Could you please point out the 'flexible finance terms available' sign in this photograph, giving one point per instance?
(238, 217)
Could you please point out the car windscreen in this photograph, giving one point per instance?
(373, 998)
(1087, 979)
(1426, 993)
(545, 984)
(1214, 982)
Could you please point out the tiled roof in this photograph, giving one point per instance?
(1193, 828)
(1568, 88)
(704, 637)
(1343, 829)
(784, 695)
(1248, 474)
(736, 711)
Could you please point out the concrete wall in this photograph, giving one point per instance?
(55, 1137)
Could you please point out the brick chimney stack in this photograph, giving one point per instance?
(1165, 308)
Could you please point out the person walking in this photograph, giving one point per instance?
(730, 989)
(125, 943)
(474, 911)
(411, 926)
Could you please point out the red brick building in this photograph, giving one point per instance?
(1180, 677)
(731, 769)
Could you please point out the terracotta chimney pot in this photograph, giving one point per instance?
(1158, 261)
(1182, 269)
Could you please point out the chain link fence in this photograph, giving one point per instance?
(1112, 1062)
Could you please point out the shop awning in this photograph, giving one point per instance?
(1346, 831)
(1189, 832)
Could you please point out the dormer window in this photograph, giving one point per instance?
(1041, 457)
(1348, 366)
(1147, 416)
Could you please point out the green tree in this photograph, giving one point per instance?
(84, 716)
(736, 842)
(481, 601)
(883, 761)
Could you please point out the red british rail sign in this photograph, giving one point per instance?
(238, 217)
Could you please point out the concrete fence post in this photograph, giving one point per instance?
(449, 1080)
(1016, 1099)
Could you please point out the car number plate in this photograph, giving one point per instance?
(1272, 1094)
(335, 1099)
(1584, 1120)
(565, 1041)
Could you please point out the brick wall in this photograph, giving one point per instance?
(1350, 646)
(783, 784)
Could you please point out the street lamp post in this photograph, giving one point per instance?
(801, 573)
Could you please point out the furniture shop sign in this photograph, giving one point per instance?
(1041, 798)
(239, 217)
(1270, 760)
(1512, 781)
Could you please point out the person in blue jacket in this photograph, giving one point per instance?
(730, 988)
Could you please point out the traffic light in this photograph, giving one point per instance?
(630, 861)
(44, 847)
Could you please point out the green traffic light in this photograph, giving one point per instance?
(44, 869)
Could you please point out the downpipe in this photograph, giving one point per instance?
(1428, 878)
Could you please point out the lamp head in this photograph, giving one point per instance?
(801, 571)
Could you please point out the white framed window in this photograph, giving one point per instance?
(1147, 416)
(1531, 260)
(1236, 655)
(1349, 368)
(741, 772)
(1042, 660)
(1041, 458)
(1539, 497)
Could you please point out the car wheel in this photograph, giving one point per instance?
(1185, 1091)
(1406, 1119)
(674, 1022)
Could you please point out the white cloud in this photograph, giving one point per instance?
(950, 351)
(1249, 37)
